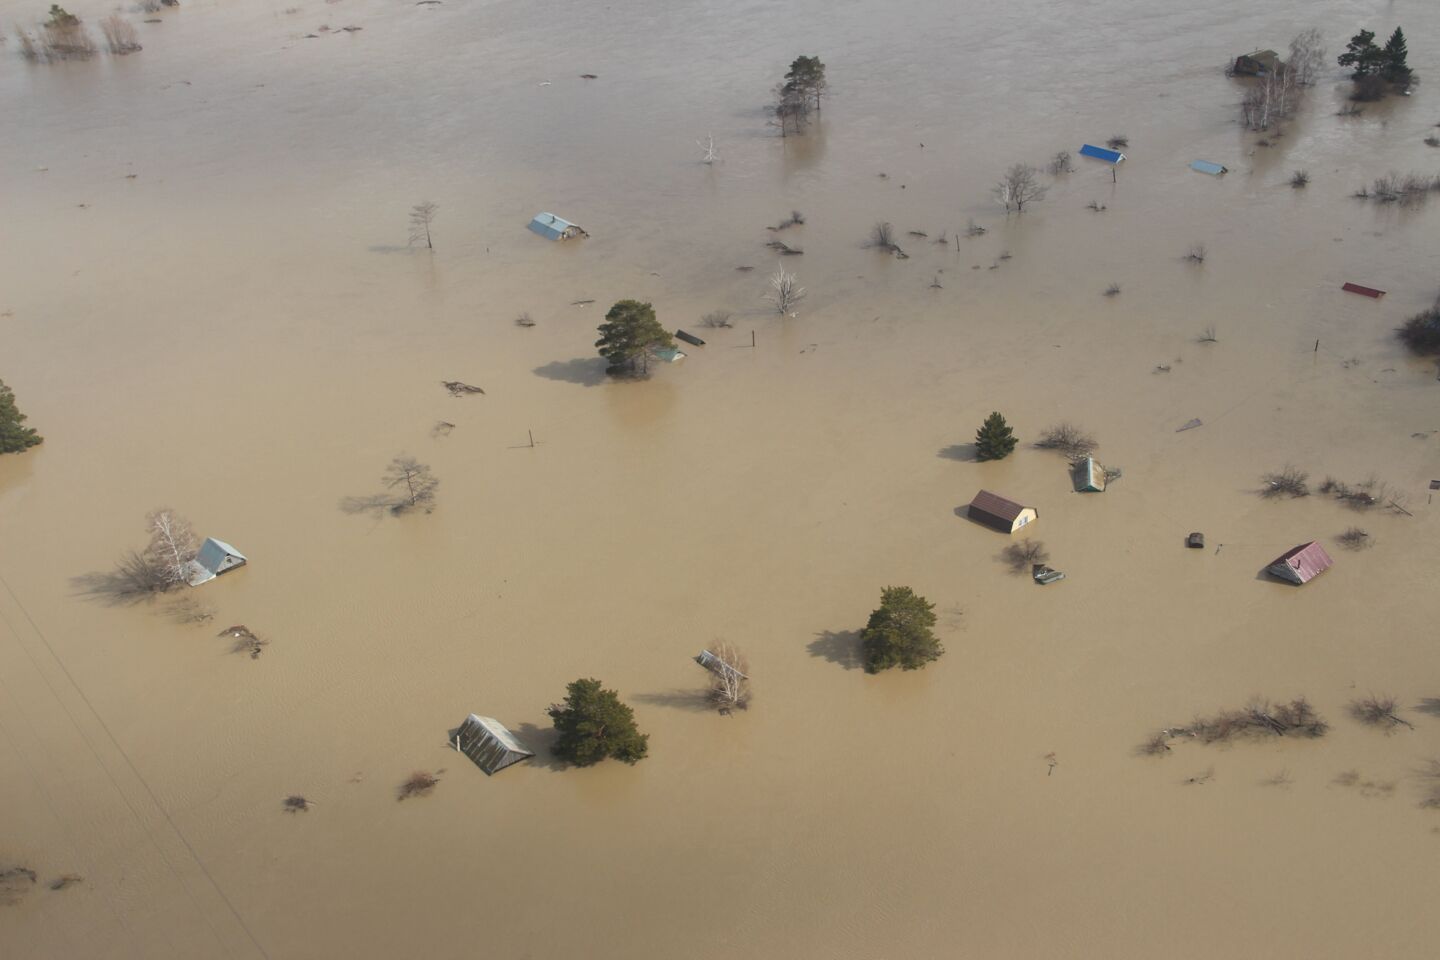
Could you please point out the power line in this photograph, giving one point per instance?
(136, 773)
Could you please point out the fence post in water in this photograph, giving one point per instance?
(1317, 346)
(532, 436)
(752, 339)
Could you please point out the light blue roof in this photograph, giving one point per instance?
(1205, 166)
(550, 226)
(1100, 153)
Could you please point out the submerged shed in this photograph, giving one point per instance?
(1090, 476)
(1206, 166)
(487, 742)
(1258, 64)
(1100, 153)
(214, 558)
(1000, 513)
(552, 227)
(1300, 564)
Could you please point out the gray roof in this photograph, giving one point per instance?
(486, 741)
(552, 227)
(214, 557)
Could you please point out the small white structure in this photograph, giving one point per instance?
(215, 557)
(486, 741)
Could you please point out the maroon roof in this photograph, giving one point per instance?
(1303, 563)
(994, 510)
(1364, 291)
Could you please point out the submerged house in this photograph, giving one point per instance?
(998, 513)
(487, 742)
(552, 227)
(1090, 476)
(1300, 564)
(214, 558)
(1100, 153)
(1261, 63)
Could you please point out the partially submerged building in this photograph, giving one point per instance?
(1090, 476)
(214, 558)
(486, 741)
(1100, 153)
(1300, 564)
(1209, 166)
(552, 227)
(999, 513)
(1260, 63)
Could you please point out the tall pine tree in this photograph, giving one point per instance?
(13, 436)
(899, 633)
(1395, 69)
(995, 439)
(1362, 55)
(594, 724)
(627, 336)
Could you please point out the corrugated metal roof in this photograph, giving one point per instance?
(1363, 290)
(550, 226)
(1301, 564)
(214, 557)
(1100, 153)
(486, 741)
(1205, 166)
(1090, 475)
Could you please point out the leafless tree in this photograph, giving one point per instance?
(421, 216)
(1355, 538)
(418, 784)
(1289, 482)
(729, 678)
(1378, 711)
(1371, 493)
(1257, 719)
(413, 481)
(1024, 554)
(882, 237)
(119, 35)
(172, 546)
(1060, 163)
(1307, 57)
(708, 146)
(295, 803)
(1196, 253)
(1299, 179)
(1068, 438)
(1270, 101)
(1113, 290)
(795, 219)
(788, 292)
(1020, 186)
(1118, 142)
(716, 318)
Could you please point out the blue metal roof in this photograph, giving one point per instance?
(1100, 153)
(550, 226)
(1205, 166)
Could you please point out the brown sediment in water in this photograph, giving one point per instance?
(240, 332)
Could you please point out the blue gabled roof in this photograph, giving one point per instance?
(550, 226)
(1100, 153)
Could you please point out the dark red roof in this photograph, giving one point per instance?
(1364, 291)
(1304, 561)
(995, 510)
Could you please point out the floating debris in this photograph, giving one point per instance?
(1190, 425)
(459, 388)
(1370, 292)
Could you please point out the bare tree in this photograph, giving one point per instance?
(120, 35)
(729, 678)
(1288, 481)
(1020, 186)
(172, 546)
(421, 216)
(1270, 101)
(716, 318)
(414, 483)
(1196, 253)
(1307, 56)
(295, 803)
(1354, 538)
(1299, 179)
(1118, 142)
(1378, 711)
(1068, 438)
(418, 784)
(882, 237)
(788, 292)
(709, 147)
(1257, 719)
(1023, 554)
(1060, 163)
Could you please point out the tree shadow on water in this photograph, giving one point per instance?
(131, 581)
(541, 739)
(694, 700)
(586, 371)
(838, 646)
(1430, 705)
(964, 452)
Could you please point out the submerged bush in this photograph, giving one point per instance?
(1421, 333)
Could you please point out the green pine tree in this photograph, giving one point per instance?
(627, 336)
(807, 77)
(994, 440)
(1362, 55)
(14, 437)
(899, 633)
(1394, 68)
(594, 724)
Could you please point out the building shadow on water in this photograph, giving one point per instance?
(586, 371)
(1430, 705)
(541, 740)
(838, 646)
(694, 700)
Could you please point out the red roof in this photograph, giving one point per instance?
(996, 506)
(1301, 563)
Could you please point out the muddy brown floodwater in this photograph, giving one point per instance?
(207, 302)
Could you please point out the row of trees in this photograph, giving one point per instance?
(64, 37)
(1376, 69)
(799, 94)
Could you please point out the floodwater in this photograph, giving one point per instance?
(207, 302)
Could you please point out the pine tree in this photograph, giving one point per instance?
(594, 724)
(1362, 54)
(14, 437)
(995, 439)
(807, 77)
(627, 336)
(1395, 69)
(899, 633)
